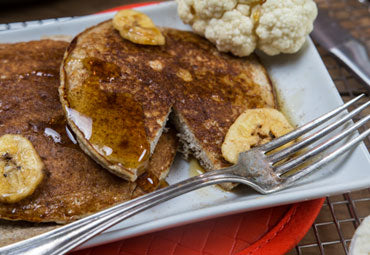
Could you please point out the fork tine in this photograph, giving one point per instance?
(314, 137)
(329, 157)
(308, 126)
(281, 169)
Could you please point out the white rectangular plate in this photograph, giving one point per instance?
(306, 90)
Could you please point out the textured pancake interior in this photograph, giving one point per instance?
(206, 89)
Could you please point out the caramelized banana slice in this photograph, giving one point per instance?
(137, 28)
(252, 128)
(21, 169)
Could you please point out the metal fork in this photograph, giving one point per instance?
(256, 168)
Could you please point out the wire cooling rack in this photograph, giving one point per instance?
(340, 215)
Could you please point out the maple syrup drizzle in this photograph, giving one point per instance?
(195, 168)
(148, 182)
(113, 122)
(163, 184)
(55, 129)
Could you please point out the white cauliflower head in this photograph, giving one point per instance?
(241, 26)
(284, 25)
(191, 11)
(232, 33)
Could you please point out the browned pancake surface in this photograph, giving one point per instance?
(207, 89)
(213, 89)
(74, 185)
(136, 75)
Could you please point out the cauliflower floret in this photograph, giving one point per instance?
(233, 32)
(244, 9)
(207, 9)
(284, 25)
(200, 25)
(241, 26)
(192, 10)
(186, 11)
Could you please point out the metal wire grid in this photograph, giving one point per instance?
(334, 227)
(342, 214)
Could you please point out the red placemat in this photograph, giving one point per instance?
(270, 231)
(129, 6)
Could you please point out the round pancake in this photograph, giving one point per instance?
(74, 185)
(206, 90)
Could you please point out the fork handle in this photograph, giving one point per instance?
(64, 239)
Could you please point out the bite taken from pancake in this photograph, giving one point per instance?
(203, 89)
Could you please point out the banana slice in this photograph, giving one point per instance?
(252, 128)
(21, 169)
(137, 28)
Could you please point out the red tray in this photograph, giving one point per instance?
(270, 231)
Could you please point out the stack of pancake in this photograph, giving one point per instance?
(186, 82)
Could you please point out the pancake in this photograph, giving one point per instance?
(74, 185)
(206, 90)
